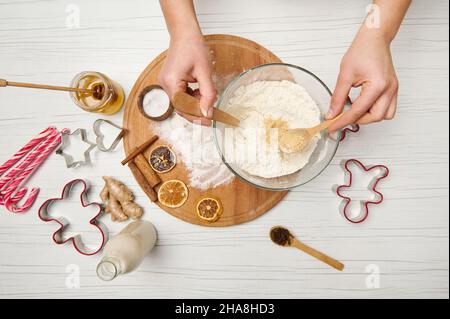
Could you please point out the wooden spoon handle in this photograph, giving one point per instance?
(186, 103)
(224, 117)
(317, 254)
(324, 125)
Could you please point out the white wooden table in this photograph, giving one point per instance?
(405, 240)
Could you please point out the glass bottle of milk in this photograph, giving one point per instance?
(124, 252)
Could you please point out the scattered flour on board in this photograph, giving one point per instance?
(263, 107)
(195, 146)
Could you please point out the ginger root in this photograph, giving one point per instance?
(119, 201)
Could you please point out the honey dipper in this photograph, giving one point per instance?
(281, 236)
(4, 83)
(186, 103)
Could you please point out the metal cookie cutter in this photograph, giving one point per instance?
(100, 137)
(353, 128)
(77, 242)
(362, 216)
(65, 141)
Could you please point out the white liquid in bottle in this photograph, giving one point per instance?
(124, 252)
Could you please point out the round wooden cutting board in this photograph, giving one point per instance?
(241, 202)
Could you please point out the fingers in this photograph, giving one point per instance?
(340, 95)
(172, 84)
(392, 108)
(384, 108)
(377, 112)
(208, 93)
(370, 93)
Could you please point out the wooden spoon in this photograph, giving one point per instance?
(186, 103)
(281, 236)
(295, 140)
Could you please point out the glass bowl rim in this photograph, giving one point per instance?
(222, 156)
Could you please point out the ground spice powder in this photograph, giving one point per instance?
(280, 236)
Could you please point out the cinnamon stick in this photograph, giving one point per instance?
(143, 182)
(146, 170)
(140, 149)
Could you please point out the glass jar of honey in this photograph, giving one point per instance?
(106, 96)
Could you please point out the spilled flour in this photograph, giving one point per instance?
(264, 107)
(195, 146)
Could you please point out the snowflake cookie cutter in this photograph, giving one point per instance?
(76, 241)
(364, 213)
(65, 142)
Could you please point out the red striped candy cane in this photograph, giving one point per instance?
(11, 202)
(24, 150)
(15, 171)
(38, 149)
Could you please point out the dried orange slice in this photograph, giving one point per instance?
(173, 193)
(162, 159)
(209, 209)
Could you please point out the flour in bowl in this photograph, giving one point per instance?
(264, 107)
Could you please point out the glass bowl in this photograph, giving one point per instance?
(326, 147)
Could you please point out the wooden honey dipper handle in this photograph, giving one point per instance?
(317, 254)
(4, 83)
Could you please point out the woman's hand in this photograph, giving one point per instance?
(188, 61)
(367, 64)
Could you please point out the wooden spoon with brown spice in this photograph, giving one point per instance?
(281, 236)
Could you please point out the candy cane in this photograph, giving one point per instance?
(17, 174)
(30, 163)
(24, 150)
(38, 150)
(51, 143)
(14, 172)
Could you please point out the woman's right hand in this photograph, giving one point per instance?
(189, 61)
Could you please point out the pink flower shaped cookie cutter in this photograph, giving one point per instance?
(76, 241)
(362, 216)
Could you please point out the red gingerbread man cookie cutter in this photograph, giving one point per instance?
(362, 216)
(76, 241)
